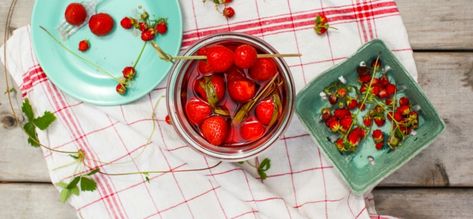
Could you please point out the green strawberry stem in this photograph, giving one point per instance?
(368, 91)
(156, 171)
(139, 55)
(78, 56)
(49, 148)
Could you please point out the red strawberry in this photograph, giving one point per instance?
(354, 138)
(220, 58)
(101, 24)
(340, 113)
(148, 35)
(121, 89)
(263, 69)
(240, 88)
(326, 113)
(129, 72)
(84, 45)
(215, 130)
(342, 92)
(252, 130)
(363, 70)
(379, 145)
(321, 24)
(364, 78)
(142, 26)
(332, 99)
(383, 80)
(379, 120)
(333, 124)
(404, 101)
(363, 88)
(404, 110)
(345, 123)
(228, 12)
(162, 26)
(267, 111)
(245, 56)
(391, 89)
(375, 89)
(352, 103)
(75, 14)
(197, 110)
(383, 94)
(168, 120)
(359, 131)
(378, 136)
(204, 67)
(127, 22)
(389, 101)
(397, 116)
(367, 121)
(340, 144)
(213, 85)
(227, 1)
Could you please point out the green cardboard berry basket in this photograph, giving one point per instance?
(366, 167)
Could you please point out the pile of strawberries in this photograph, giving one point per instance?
(374, 98)
(233, 97)
(149, 28)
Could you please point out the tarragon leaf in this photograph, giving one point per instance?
(75, 191)
(87, 184)
(44, 121)
(62, 184)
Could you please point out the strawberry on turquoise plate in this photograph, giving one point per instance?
(112, 52)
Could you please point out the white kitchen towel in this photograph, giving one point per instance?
(301, 182)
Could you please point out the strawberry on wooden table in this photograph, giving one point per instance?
(197, 110)
(75, 14)
(101, 24)
(215, 130)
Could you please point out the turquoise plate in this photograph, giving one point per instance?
(366, 167)
(112, 52)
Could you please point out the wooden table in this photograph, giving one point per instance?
(438, 183)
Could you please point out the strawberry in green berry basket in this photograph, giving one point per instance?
(372, 98)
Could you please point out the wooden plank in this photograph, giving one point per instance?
(41, 201)
(438, 24)
(32, 201)
(425, 203)
(447, 79)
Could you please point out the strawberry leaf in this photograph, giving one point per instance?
(44, 121)
(30, 130)
(73, 183)
(65, 195)
(27, 109)
(87, 184)
(264, 166)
